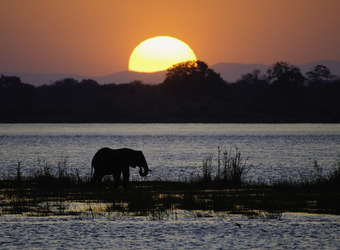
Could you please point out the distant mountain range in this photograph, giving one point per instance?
(233, 71)
(229, 72)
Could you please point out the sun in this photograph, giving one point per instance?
(159, 53)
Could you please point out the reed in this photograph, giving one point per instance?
(334, 175)
(319, 178)
(231, 173)
(234, 168)
(47, 177)
(207, 168)
(19, 175)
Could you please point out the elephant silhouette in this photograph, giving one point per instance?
(117, 161)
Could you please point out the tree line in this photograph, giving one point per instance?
(191, 92)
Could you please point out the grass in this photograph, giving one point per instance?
(230, 173)
(50, 192)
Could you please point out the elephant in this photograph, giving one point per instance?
(117, 161)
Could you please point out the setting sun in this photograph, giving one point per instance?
(159, 53)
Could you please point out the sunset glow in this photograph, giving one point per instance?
(96, 38)
(159, 53)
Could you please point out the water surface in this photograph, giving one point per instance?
(173, 151)
(292, 231)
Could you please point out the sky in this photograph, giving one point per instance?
(96, 38)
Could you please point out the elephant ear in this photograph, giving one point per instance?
(140, 158)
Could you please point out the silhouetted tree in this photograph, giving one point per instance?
(12, 82)
(319, 73)
(67, 82)
(88, 83)
(254, 78)
(17, 99)
(285, 73)
(192, 72)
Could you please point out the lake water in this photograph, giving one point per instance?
(173, 151)
(292, 231)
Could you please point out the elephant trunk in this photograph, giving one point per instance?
(143, 171)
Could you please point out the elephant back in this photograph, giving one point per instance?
(102, 157)
(109, 157)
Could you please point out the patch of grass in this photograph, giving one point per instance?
(234, 168)
(206, 169)
(19, 175)
(334, 176)
(45, 178)
(231, 173)
(50, 192)
(319, 178)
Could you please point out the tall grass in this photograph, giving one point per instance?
(47, 176)
(231, 172)
(332, 178)
(19, 174)
(334, 175)
(207, 168)
(234, 168)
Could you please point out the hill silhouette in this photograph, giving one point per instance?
(230, 72)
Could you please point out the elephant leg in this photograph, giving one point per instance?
(97, 178)
(116, 179)
(126, 176)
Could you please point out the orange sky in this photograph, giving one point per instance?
(95, 38)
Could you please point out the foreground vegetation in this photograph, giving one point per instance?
(224, 191)
(145, 198)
